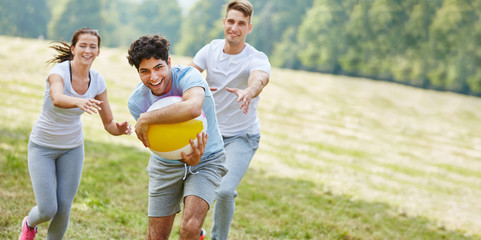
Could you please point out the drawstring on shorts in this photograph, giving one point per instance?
(189, 170)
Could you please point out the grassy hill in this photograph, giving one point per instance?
(340, 158)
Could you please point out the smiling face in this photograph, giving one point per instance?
(156, 75)
(86, 49)
(236, 27)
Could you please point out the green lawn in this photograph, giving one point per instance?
(340, 158)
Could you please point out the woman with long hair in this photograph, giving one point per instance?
(56, 143)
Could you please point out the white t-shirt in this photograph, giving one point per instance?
(62, 127)
(227, 70)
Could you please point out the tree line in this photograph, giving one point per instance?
(434, 44)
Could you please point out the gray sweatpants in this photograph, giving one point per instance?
(55, 175)
(239, 152)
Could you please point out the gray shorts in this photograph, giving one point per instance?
(170, 183)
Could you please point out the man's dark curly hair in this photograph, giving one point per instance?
(146, 47)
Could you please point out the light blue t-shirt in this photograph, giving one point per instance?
(183, 78)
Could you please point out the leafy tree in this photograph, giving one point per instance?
(202, 25)
(473, 48)
(426, 43)
(411, 66)
(24, 18)
(77, 14)
(164, 17)
(451, 33)
(118, 26)
(285, 53)
(322, 38)
(8, 18)
(271, 20)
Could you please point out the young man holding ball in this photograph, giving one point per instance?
(193, 179)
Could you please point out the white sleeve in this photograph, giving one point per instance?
(60, 69)
(102, 86)
(200, 58)
(260, 61)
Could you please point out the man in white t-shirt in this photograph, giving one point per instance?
(236, 73)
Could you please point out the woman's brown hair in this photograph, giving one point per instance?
(64, 49)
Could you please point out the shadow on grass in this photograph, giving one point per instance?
(283, 208)
(112, 202)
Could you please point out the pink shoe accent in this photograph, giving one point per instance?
(203, 234)
(28, 233)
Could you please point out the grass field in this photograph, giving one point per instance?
(340, 158)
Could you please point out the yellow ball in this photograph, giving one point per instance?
(169, 140)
